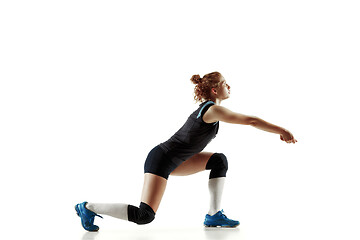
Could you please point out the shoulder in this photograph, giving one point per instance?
(213, 110)
(203, 108)
(220, 113)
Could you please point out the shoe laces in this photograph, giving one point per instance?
(90, 221)
(92, 217)
(223, 214)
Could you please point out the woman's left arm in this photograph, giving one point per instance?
(285, 135)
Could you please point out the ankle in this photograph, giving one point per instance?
(89, 206)
(212, 212)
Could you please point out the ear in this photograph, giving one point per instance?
(213, 90)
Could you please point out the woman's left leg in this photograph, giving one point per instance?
(217, 163)
(195, 164)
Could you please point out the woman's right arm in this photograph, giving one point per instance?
(219, 113)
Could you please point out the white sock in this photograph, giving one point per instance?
(216, 186)
(117, 210)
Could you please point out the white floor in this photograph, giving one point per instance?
(61, 223)
(165, 233)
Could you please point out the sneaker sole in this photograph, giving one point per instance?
(219, 226)
(77, 210)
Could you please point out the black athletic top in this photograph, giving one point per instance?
(192, 137)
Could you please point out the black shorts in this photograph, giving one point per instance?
(158, 163)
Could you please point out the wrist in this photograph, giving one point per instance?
(282, 131)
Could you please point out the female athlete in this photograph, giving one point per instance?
(182, 155)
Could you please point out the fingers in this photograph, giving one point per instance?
(292, 141)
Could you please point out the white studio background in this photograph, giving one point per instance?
(88, 88)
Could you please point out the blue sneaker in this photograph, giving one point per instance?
(87, 217)
(219, 219)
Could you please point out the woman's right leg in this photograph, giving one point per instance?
(153, 190)
(152, 193)
(157, 169)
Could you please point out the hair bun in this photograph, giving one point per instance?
(196, 79)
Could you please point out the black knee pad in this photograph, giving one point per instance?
(218, 164)
(141, 215)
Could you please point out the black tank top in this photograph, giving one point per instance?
(192, 137)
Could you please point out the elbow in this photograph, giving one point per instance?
(253, 121)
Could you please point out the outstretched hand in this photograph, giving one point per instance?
(287, 137)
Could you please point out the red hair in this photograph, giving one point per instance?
(204, 85)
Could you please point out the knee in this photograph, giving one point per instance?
(218, 164)
(143, 214)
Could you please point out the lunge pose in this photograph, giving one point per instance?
(182, 155)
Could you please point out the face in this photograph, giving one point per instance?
(223, 90)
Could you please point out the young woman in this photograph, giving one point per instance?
(181, 155)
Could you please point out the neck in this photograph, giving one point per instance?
(217, 101)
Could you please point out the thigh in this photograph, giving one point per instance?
(158, 163)
(153, 190)
(196, 163)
